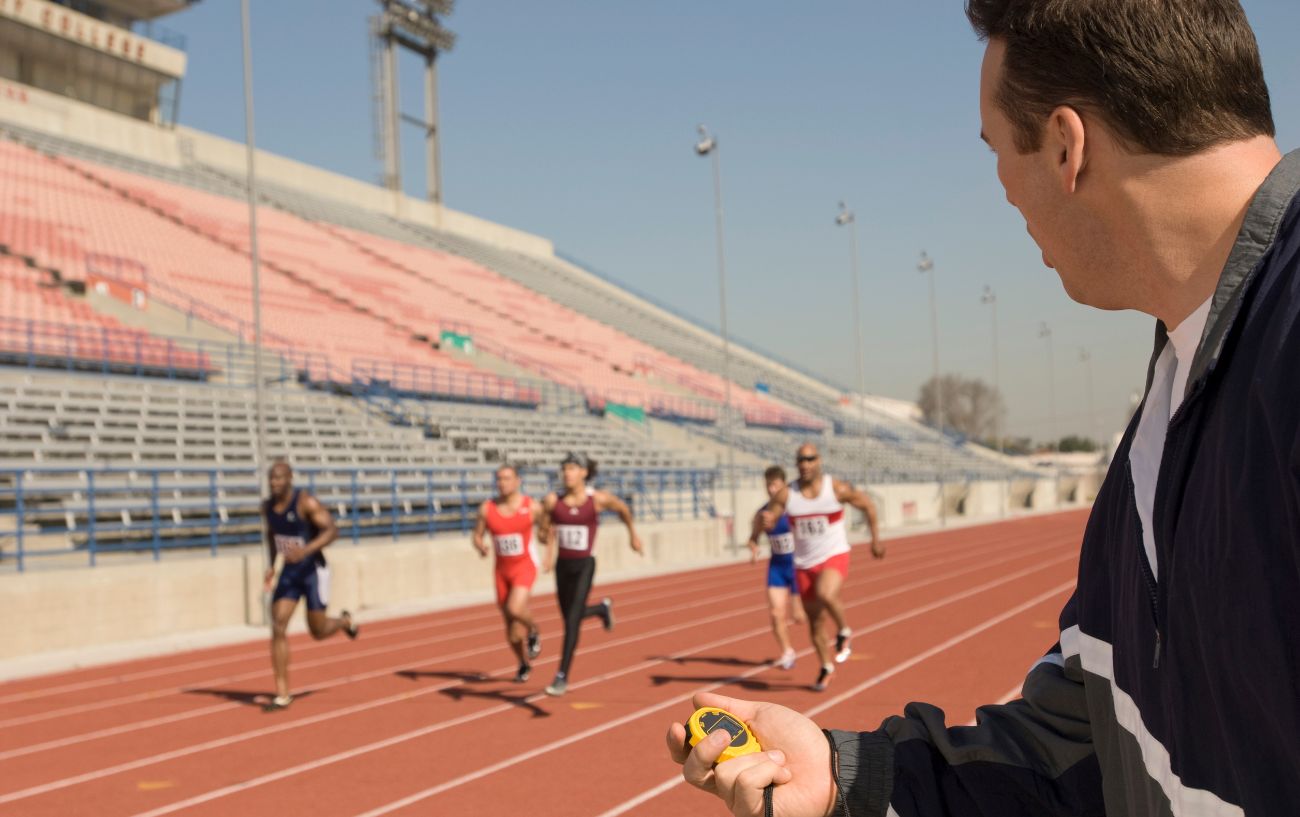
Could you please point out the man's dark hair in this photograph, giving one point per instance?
(774, 472)
(1170, 77)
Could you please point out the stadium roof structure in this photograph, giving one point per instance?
(146, 9)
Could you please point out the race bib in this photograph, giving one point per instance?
(510, 544)
(782, 543)
(811, 527)
(288, 544)
(572, 537)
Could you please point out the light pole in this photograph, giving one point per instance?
(1085, 357)
(1045, 332)
(846, 219)
(708, 146)
(990, 298)
(925, 266)
(259, 437)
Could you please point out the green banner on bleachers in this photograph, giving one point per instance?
(634, 413)
(456, 340)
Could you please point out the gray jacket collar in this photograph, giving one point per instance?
(1258, 231)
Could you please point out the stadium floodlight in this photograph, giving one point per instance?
(990, 299)
(925, 266)
(415, 26)
(845, 219)
(707, 143)
(708, 146)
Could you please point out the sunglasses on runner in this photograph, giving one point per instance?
(813, 458)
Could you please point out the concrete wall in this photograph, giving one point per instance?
(67, 609)
(62, 609)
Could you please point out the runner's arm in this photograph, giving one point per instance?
(756, 530)
(605, 501)
(546, 532)
(775, 507)
(480, 527)
(860, 499)
(310, 508)
(270, 554)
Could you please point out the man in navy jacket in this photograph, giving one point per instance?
(1136, 139)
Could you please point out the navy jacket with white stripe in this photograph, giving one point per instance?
(1177, 697)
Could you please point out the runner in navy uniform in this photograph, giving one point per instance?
(297, 528)
(571, 521)
(782, 590)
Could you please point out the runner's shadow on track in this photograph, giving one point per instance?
(245, 697)
(464, 676)
(519, 699)
(752, 684)
(719, 660)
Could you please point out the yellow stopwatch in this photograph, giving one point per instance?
(710, 719)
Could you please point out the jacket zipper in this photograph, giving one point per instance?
(1148, 575)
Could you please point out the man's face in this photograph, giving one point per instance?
(280, 481)
(573, 475)
(774, 487)
(809, 462)
(507, 482)
(1073, 241)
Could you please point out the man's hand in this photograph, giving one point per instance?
(482, 549)
(877, 549)
(795, 757)
(268, 579)
(753, 551)
(637, 546)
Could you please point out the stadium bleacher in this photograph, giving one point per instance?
(358, 306)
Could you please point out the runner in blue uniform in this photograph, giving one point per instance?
(298, 528)
(782, 593)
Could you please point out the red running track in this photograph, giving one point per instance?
(419, 716)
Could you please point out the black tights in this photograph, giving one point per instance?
(572, 586)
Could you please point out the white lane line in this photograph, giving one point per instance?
(432, 728)
(541, 750)
(145, 696)
(672, 782)
(674, 581)
(341, 657)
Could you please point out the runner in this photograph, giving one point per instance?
(510, 518)
(821, 549)
(571, 522)
(782, 591)
(298, 528)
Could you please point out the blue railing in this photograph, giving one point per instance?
(78, 516)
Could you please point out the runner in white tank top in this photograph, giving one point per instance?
(815, 504)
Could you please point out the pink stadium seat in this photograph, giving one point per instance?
(346, 296)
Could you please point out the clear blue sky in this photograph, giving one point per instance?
(575, 120)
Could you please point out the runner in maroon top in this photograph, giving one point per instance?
(570, 521)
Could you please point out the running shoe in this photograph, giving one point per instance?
(607, 615)
(824, 678)
(559, 686)
(351, 629)
(534, 644)
(787, 660)
(277, 703)
(523, 673)
(842, 648)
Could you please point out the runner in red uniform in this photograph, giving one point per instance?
(571, 521)
(510, 518)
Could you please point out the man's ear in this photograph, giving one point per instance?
(1067, 139)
